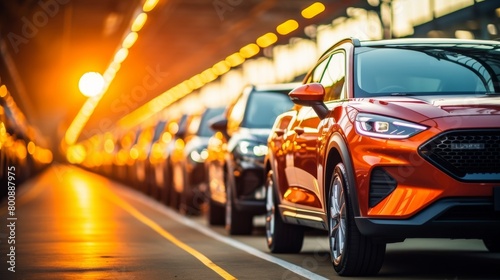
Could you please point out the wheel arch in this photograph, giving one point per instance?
(338, 152)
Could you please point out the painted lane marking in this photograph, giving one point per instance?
(210, 233)
(154, 226)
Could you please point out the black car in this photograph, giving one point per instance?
(190, 176)
(236, 153)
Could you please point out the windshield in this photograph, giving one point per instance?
(427, 70)
(264, 107)
(204, 129)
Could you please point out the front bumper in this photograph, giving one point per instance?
(249, 187)
(446, 218)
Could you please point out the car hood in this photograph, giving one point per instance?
(421, 108)
(196, 142)
(255, 134)
(258, 135)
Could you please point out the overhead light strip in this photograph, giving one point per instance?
(170, 96)
(75, 128)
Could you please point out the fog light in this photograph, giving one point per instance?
(260, 193)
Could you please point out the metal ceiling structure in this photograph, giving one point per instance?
(47, 45)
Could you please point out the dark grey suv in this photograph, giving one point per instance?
(236, 154)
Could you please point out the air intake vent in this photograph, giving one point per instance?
(381, 185)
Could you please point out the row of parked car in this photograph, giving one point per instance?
(383, 141)
(210, 162)
(23, 153)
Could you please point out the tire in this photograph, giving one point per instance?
(174, 197)
(174, 200)
(165, 189)
(237, 222)
(191, 200)
(352, 254)
(281, 237)
(493, 245)
(216, 213)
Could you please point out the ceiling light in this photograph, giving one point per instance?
(130, 40)
(249, 50)
(139, 22)
(91, 84)
(149, 5)
(287, 27)
(313, 10)
(267, 39)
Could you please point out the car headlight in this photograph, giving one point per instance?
(386, 127)
(251, 149)
(199, 156)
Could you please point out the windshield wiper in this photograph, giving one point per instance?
(400, 94)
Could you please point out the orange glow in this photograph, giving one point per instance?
(81, 119)
(139, 22)
(130, 40)
(20, 149)
(31, 148)
(287, 27)
(3, 91)
(179, 144)
(109, 146)
(134, 153)
(249, 50)
(267, 39)
(82, 213)
(173, 127)
(3, 134)
(302, 196)
(221, 67)
(149, 5)
(91, 84)
(235, 59)
(76, 154)
(313, 10)
(196, 82)
(404, 201)
(120, 55)
(208, 75)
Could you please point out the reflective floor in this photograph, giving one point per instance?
(72, 224)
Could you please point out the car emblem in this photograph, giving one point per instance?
(467, 146)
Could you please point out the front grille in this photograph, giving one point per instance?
(250, 181)
(468, 155)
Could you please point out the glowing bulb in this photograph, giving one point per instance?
(91, 84)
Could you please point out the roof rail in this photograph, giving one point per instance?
(355, 41)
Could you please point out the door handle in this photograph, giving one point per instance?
(299, 130)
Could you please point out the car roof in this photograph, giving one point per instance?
(276, 87)
(428, 41)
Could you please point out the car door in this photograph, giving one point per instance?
(305, 163)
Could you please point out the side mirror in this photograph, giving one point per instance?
(219, 124)
(181, 133)
(310, 95)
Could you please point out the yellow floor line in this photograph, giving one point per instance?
(139, 216)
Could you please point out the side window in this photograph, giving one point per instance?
(334, 77)
(315, 76)
(236, 112)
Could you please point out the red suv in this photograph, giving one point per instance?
(388, 140)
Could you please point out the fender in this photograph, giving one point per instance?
(337, 142)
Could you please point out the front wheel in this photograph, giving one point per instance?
(216, 213)
(281, 237)
(352, 254)
(237, 222)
